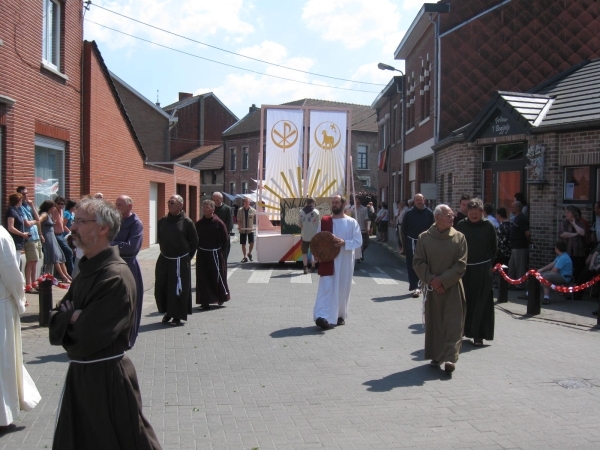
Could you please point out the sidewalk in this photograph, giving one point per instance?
(562, 310)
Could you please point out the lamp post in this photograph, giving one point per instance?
(382, 66)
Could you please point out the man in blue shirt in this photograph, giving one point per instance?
(33, 245)
(560, 271)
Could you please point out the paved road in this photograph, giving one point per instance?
(257, 374)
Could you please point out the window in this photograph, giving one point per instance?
(232, 158)
(245, 187)
(232, 188)
(366, 181)
(362, 157)
(49, 169)
(580, 184)
(383, 136)
(245, 158)
(504, 152)
(203, 177)
(214, 177)
(51, 33)
(394, 138)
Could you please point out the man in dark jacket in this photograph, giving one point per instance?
(416, 220)
(223, 212)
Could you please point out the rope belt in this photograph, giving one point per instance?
(425, 288)
(479, 263)
(178, 288)
(62, 394)
(215, 253)
(414, 243)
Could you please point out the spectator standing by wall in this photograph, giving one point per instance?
(15, 224)
(519, 243)
(462, 210)
(59, 230)
(572, 232)
(33, 245)
(224, 213)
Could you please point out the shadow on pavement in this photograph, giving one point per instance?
(12, 428)
(417, 376)
(59, 357)
(153, 327)
(389, 299)
(418, 328)
(296, 332)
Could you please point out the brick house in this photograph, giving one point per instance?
(458, 52)
(115, 160)
(208, 160)
(152, 124)
(40, 100)
(388, 108)
(241, 143)
(558, 124)
(201, 120)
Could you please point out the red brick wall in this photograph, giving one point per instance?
(113, 162)
(513, 48)
(185, 136)
(238, 176)
(41, 96)
(216, 120)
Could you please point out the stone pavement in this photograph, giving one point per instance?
(257, 373)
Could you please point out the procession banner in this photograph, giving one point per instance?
(327, 157)
(284, 156)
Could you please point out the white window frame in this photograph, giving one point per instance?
(358, 160)
(47, 143)
(244, 187)
(51, 17)
(232, 188)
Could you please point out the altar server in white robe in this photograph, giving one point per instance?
(331, 306)
(17, 390)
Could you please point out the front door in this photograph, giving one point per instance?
(503, 174)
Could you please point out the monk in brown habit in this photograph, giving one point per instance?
(211, 263)
(440, 261)
(101, 406)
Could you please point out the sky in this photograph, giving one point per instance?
(337, 38)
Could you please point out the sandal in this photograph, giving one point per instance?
(176, 323)
(477, 343)
(166, 318)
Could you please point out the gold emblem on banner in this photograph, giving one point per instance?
(328, 132)
(284, 134)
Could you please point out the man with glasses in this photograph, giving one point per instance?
(101, 405)
(33, 245)
(178, 241)
(440, 261)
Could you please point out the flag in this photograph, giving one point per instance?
(382, 160)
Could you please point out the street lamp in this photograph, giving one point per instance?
(383, 66)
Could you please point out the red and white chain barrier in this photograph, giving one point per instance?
(55, 282)
(542, 280)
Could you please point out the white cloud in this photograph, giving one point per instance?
(190, 18)
(412, 5)
(267, 51)
(355, 23)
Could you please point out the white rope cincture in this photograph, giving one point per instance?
(479, 263)
(62, 394)
(414, 243)
(215, 253)
(178, 287)
(425, 288)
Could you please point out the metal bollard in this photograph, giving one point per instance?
(502, 288)
(45, 289)
(533, 301)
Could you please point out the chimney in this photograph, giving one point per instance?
(253, 108)
(184, 95)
